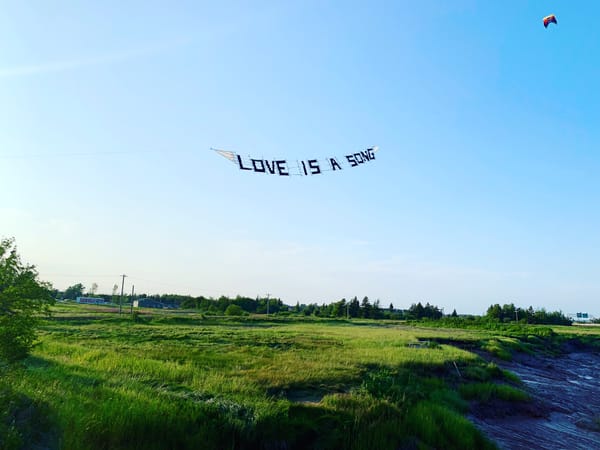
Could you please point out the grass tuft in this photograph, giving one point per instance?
(486, 392)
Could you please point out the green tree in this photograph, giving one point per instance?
(354, 307)
(494, 312)
(416, 311)
(338, 309)
(432, 312)
(376, 312)
(22, 299)
(234, 310)
(509, 312)
(366, 308)
(72, 292)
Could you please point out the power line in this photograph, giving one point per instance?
(176, 286)
(101, 153)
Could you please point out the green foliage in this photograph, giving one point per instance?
(418, 312)
(441, 427)
(497, 348)
(220, 305)
(174, 381)
(485, 392)
(72, 292)
(400, 387)
(187, 380)
(234, 310)
(428, 412)
(510, 377)
(367, 422)
(24, 423)
(354, 308)
(510, 313)
(487, 372)
(22, 298)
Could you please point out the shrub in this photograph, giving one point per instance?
(22, 298)
(234, 310)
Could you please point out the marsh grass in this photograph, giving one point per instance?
(185, 380)
(486, 392)
(24, 422)
(499, 348)
(441, 427)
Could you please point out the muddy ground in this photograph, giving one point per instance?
(565, 407)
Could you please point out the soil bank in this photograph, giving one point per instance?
(564, 410)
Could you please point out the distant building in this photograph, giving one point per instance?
(580, 317)
(91, 300)
(148, 303)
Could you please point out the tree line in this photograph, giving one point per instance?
(24, 300)
(351, 309)
(511, 313)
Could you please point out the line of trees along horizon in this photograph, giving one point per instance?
(353, 308)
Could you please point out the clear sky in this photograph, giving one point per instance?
(485, 189)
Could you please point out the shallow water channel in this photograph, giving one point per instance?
(566, 401)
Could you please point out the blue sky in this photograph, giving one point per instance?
(485, 188)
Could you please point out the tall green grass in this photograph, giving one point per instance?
(485, 392)
(190, 381)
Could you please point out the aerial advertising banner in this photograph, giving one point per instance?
(304, 167)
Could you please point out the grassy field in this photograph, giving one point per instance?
(174, 380)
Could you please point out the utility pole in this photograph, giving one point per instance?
(132, 290)
(347, 310)
(268, 295)
(121, 299)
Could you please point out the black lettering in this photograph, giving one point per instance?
(282, 167)
(366, 156)
(371, 153)
(351, 160)
(304, 168)
(256, 167)
(359, 158)
(270, 169)
(334, 164)
(239, 158)
(313, 164)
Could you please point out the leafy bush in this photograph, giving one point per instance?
(22, 298)
(234, 310)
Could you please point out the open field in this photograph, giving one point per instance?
(181, 380)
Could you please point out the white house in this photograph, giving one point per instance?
(91, 300)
